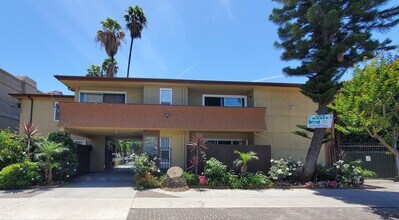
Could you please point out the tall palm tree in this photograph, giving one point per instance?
(135, 22)
(47, 150)
(243, 159)
(110, 38)
(110, 67)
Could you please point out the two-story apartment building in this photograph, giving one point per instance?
(166, 112)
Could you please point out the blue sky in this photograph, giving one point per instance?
(207, 39)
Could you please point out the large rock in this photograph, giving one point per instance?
(175, 180)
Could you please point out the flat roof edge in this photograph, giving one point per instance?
(163, 80)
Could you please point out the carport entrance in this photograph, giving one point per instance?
(118, 151)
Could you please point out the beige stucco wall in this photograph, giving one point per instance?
(134, 95)
(97, 157)
(179, 139)
(43, 113)
(179, 94)
(286, 108)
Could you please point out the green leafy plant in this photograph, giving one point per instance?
(20, 175)
(67, 161)
(323, 173)
(215, 171)
(47, 151)
(258, 179)
(243, 159)
(11, 148)
(94, 71)
(192, 178)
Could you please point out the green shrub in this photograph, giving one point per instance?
(20, 175)
(285, 170)
(234, 181)
(67, 161)
(12, 149)
(258, 179)
(324, 173)
(351, 173)
(144, 171)
(148, 181)
(215, 171)
(192, 179)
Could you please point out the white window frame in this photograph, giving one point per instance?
(103, 92)
(226, 96)
(55, 110)
(171, 95)
(160, 151)
(226, 139)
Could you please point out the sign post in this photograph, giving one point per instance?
(320, 121)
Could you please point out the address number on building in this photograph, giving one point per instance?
(320, 121)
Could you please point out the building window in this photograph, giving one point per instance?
(165, 96)
(227, 141)
(164, 157)
(81, 142)
(56, 111)
(103, 97)
(224, 100)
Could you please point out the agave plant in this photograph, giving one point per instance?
(29, 129)
(197, 147)
(243, 159)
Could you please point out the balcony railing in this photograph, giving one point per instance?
(102, 115)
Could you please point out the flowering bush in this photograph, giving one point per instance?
(148, 181)
(20, 175)
(144, 170)
(203, 180)
(351, 173)
(284, 169)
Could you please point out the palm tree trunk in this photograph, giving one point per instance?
(314, 148)
(130, 55)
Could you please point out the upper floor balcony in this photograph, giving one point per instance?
(141, 116)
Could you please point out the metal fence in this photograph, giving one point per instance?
(374, 157)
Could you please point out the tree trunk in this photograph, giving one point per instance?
(130, 55)
(243, 169)
(314, 148)
(28, 150)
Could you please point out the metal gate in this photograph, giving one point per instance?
(374, 157)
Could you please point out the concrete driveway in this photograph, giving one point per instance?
(110, 195)
(105, 195)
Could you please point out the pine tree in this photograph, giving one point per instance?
(328, 37)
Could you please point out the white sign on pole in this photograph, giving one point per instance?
(320, 121)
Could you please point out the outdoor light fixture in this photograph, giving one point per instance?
(167, 114)
(293, 107)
